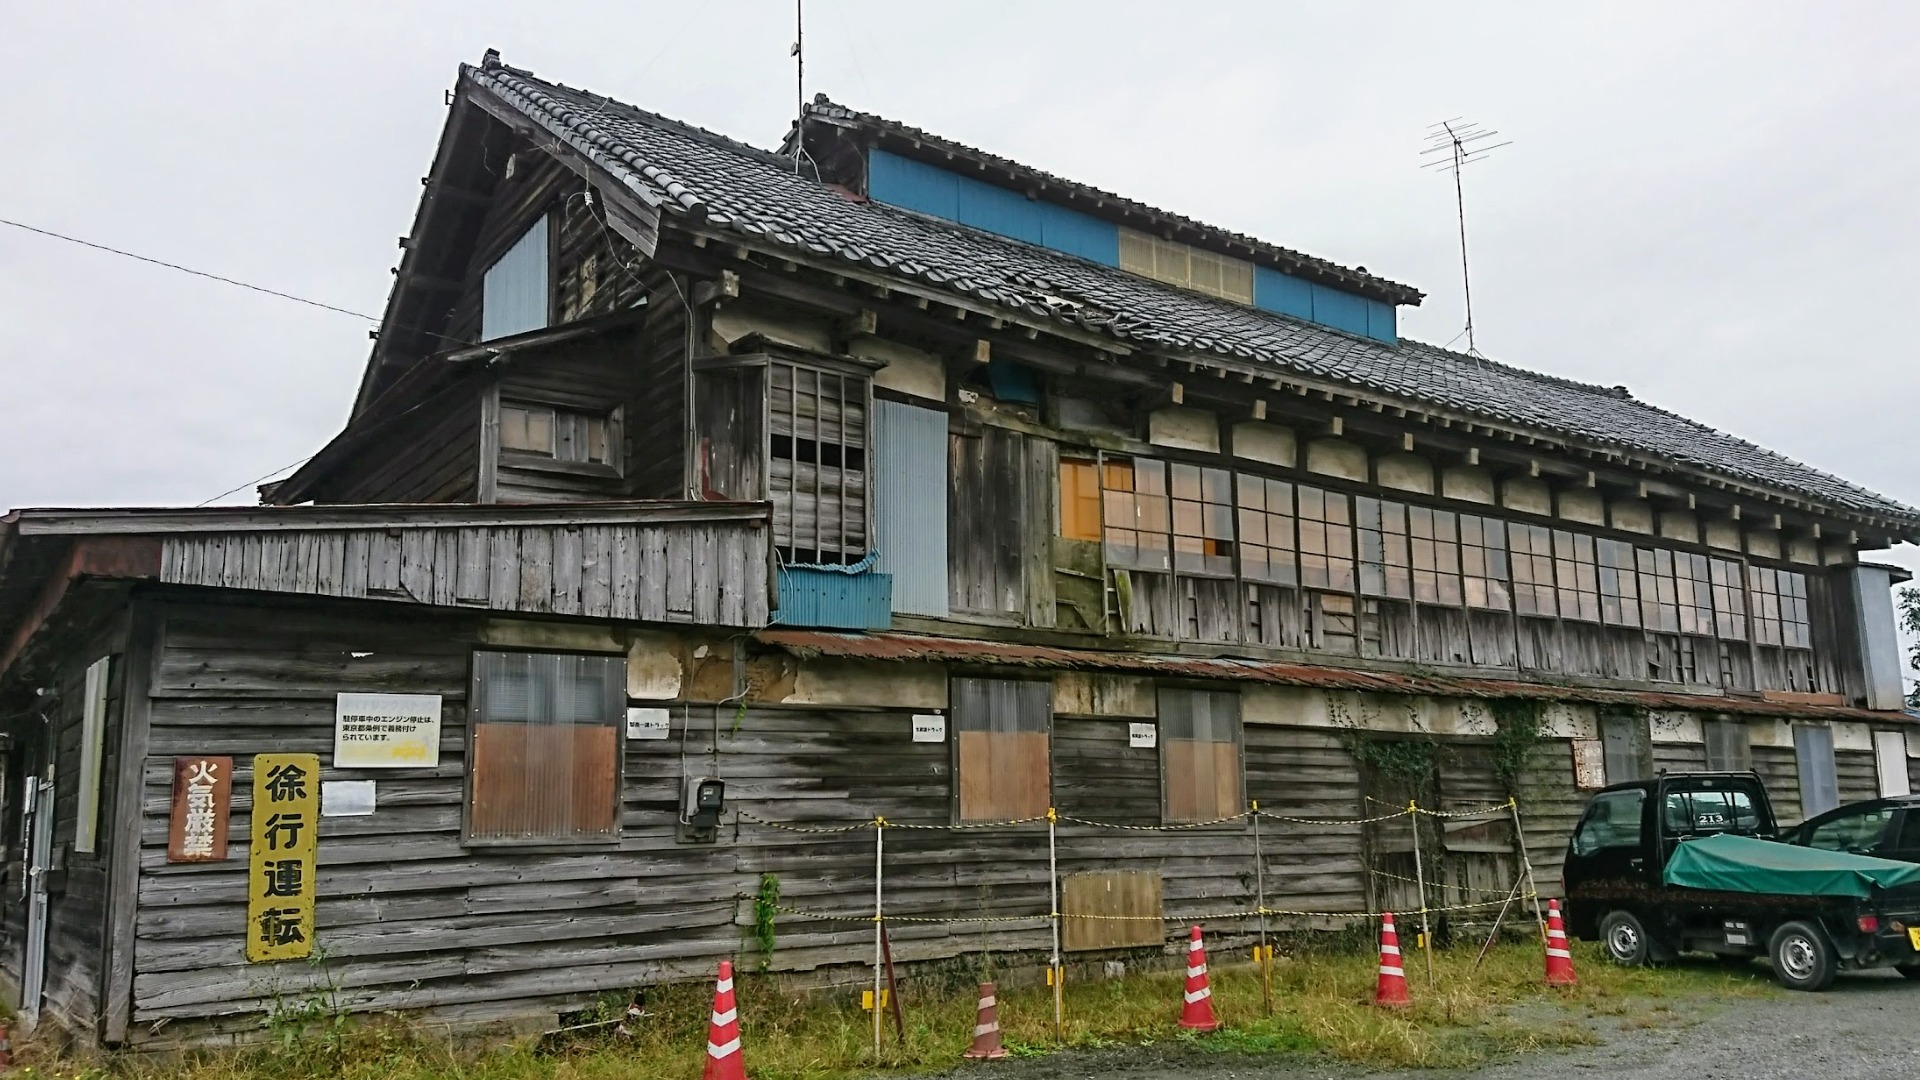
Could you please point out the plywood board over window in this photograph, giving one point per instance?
(1200, 752)
(1111, 910)
(1003, 728)
(545, 758)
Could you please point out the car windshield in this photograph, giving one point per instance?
(1693, 813)
(1852, 832)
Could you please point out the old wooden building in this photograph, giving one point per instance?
(875, 476)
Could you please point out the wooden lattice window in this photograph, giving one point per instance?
(1202, 520)
(1386, 567)
(1693, 592)
(556, 434)
(1266, 531)
(1729, 746)
(1532, 550)
(1576, 575)
(545, 752)
(1659, 595)
(817, 463)
(1436, 555)
(1326, 540)
(1200, 740)
(1136, 513)
(1619, 584)
(1780, 608)
(1483, 558)
(1003, 726)
(1729, 599)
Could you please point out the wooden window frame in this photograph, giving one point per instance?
(1693, 593)
(1276, 546)
(853, 388)
(614, 435)
(964, 724)
(1619, 582)
(1201, 506)
(1385, 555)
(1236, 800)
(1434, 540)
(1482, 589)
(1727, 580)
(1138, 511)
(1331, 566)
(1576, 573)
(615, 703)
(1534, 592)
(1080, 495)
(1717, 735)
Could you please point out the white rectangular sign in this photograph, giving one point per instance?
(346, 798)
(649, 723)
(386, 731)
(1589, 764)
(1143, 736)
(929, 727)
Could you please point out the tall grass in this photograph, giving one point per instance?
(1321, 1007)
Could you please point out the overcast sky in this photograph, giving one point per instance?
(1713, 204)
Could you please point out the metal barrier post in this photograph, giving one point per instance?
(1055, 974)
(1260, 901)
(879, 923)
(1420, 879)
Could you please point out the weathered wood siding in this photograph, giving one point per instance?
(1550, 807)
(432, 456)
(706, 572)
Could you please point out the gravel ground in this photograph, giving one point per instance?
(1866, 1028)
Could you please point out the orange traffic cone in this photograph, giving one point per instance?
(1391, 992)
(724, 1059)
(986, 1028)
(1197, 1013)
(1559, 959)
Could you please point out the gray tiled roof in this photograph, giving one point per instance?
(735, 186)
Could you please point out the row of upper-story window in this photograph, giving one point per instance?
(1205, 521)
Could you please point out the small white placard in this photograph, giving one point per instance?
(1143, 736)
(386, 731)
(649, 723)
(929, 727)
(1589, 764)
(346, 798)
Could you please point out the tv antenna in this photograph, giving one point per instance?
(799, 54)
(1463, 142)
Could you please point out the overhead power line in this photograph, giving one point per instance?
(190, 270)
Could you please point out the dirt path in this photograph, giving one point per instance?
(1866, 1028)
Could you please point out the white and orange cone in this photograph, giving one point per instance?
(1391, 990)
(986, 1028)
(724, 1059)
(1559, 957)
(1197, 1013)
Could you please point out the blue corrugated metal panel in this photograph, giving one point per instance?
(1284, 293)
(910, 504)
(826, 598)
(913, 184)
(1340, 310)
(930, 189)
(513, 297)
(1079, 234)
(997, 210)
(1383, 322)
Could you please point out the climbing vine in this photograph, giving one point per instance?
(766, 908)
(1517, 730)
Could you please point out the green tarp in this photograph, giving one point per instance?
(1728, 863)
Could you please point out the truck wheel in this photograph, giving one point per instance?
(1802, 957)
(1626, 939)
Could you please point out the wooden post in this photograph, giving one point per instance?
(1420, 880)
(1055, 974)
(1526, 861)
(893, 988)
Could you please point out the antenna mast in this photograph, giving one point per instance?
(1461, 141)
(799, 83)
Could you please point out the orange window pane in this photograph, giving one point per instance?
(1079, 500)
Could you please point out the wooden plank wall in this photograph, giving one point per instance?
(1550, 807)
(432, 456)
(699, 572)
(658, 409)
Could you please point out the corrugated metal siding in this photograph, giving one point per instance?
(910, 504)
(514, 296)
(828, 598)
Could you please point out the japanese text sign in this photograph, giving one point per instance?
(202, 798)
(386, 731)
(282, 857)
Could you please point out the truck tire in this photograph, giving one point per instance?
(1627, 941)
(1802, 957)
(1911, 971)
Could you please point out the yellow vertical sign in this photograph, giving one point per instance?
(281, 860)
